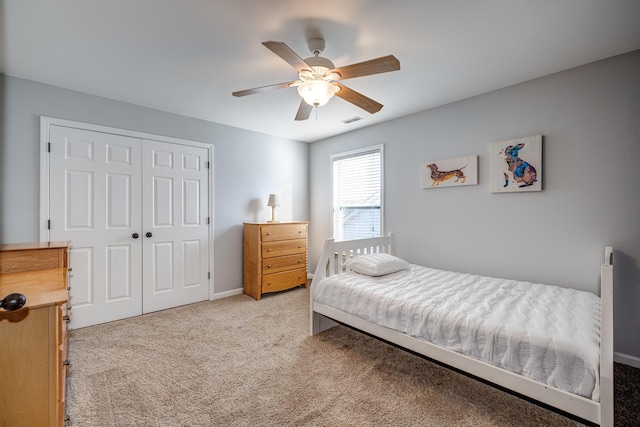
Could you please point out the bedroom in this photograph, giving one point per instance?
(588, 116)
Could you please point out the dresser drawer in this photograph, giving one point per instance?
(283, 232)
(31, 260)
(286, 280)
(284, 247)
(283, 263)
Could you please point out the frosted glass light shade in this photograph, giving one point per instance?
(317, 92)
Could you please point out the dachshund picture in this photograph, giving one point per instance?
(450, 172)
(516, 165)
(439, 176)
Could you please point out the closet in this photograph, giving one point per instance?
(136, 210)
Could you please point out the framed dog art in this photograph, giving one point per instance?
(516, 165)
(450, 172)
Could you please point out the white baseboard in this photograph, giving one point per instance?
(226, 294)
(626, 359)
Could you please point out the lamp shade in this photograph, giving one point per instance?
(317, 92)
(274, 200)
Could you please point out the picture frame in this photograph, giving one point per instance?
(516, 165)
(454, 172)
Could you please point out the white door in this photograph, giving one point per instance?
(95, 202)
(107, 193)
(175, 222)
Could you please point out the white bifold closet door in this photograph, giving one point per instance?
(136, 213)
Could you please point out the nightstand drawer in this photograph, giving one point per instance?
(283, 232)
(283, 263)
(284, 247)
(286, 280)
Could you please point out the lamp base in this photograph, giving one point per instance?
(273, 214)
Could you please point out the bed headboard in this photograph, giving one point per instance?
(335, 254)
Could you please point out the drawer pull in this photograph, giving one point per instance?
(268, 234)
(269, 250)
(299, 261)
(268, 283)
(68, 288)
(66, 318)
(299, 246)
(67, 362)
(13, 302)
(269, 266)
(68, 307)
(70, 269)
(299, 231)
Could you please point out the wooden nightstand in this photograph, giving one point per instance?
(274, 256)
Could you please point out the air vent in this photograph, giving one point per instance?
(352, 119)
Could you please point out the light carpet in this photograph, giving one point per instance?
(241, 362)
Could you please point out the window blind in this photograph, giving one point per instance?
(357, 185)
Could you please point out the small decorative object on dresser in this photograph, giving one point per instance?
(274, 256)
(274, 200)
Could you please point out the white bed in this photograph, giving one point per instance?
(562, 361)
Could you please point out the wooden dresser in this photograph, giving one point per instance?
(34, 338)
(274, 256)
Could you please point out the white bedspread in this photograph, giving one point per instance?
(543, 332)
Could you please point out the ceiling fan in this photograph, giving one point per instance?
(319, 78)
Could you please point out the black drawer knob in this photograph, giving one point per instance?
(13, 302)
(135, 235)
(148, 234)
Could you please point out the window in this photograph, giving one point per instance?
(356, 191)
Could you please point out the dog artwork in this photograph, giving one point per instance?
(450, 172)
(439, 176)
(515, 165)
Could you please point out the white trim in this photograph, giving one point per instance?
(226, 294)
(627, 359)
(47, 122)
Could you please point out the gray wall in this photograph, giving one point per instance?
(247, 165)
(590, 119)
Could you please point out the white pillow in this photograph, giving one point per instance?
(376, 264)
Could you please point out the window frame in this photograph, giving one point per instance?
(355, 153)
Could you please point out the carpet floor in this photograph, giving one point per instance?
(241, 362)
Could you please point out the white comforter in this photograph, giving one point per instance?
(543, 332)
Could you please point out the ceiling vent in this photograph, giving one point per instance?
(352, 119)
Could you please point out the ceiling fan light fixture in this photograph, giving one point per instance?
(317, 92)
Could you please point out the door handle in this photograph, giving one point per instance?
(148, 234)
(135, 235)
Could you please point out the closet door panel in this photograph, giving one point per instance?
(95, 202)
(175, 211)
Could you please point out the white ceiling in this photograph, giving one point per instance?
(187, 56)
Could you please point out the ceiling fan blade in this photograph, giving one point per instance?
(367, 68)
(263, 89)
(304, 111)
(285, 52)
(358, 99)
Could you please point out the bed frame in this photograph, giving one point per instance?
(334, 255)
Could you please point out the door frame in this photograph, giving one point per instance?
(46, 122)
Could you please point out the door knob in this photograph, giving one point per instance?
(148, 234)
(135, 235)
